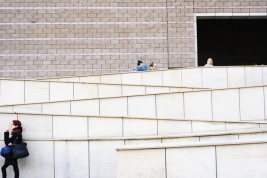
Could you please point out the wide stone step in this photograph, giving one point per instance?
(30, 91)
(213, 77)
(242, 158)
(248, 103)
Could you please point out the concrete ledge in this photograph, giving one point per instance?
(194, 144)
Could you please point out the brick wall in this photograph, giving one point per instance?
(42, 38)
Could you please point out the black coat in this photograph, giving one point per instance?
(9, 159)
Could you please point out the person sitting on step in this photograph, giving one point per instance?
(141, 66)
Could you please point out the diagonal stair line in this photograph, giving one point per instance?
(164, 136)
(215, 104)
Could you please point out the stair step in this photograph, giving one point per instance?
(215, 77)
(99, 126)
(232, 104)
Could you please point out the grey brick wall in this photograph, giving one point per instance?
(41, 38)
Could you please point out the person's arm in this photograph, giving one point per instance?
(9, 140)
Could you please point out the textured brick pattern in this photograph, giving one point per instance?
(41, 38)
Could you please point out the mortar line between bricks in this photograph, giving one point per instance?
(115, 38)
(136, 7)
(95, 54)
(90, 23)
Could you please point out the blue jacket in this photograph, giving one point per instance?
(142, 68)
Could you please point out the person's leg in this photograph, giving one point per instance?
(16, 171)
(4, 170)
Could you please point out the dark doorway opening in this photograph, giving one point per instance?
(232, 41)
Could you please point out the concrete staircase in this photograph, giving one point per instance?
(158, 124)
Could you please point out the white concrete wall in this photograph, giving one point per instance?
(212, 77)
(218, 104)
(18, 92)
(241, 160)
(51, 153)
